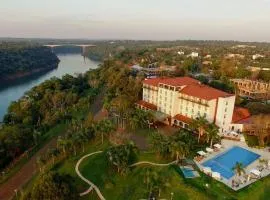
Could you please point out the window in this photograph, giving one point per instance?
(225, 109)
(204, 114)
(226, 103)
(224, 116)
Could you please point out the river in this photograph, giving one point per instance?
(69, 64)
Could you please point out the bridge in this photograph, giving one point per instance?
(83, 46)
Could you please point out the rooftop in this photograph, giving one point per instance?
(240, 115)
(147, 105)
(178, 81)
(192, 87)
(204, 92)
(183, 118)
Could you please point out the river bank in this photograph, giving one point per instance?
(69, 64)
(16, 76)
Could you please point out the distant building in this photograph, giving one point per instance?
(182, 99)
(207, 56)
(243, 46)
(252, 89)
(181, 53)
(167, 68)
(150, 72)
(232, 55)
(206, 62)
(240, 119)
(256, 56)
(193, 55)
(254, 69)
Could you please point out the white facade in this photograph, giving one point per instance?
(170, 100)
(256, 56)
(193, 55)
(225, 112)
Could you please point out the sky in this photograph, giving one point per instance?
(244, 20)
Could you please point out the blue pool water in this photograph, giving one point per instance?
(188, 172)
(224, 162)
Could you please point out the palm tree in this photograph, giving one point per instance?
(212, 133)
(121, 156)
(179, 149)
(239, 168)
(199, 124)
(104, 127)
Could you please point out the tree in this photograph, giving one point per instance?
(155, 181)
(239, 168)
(53, 186)
(161, 144)
(199, 125)
(121, 157)
(139, 118)
(179, 149)
(104, 127)
(212, 133)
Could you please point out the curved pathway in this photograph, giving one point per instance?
(92, 185)
(151, 163)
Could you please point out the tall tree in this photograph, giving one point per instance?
(199, 125)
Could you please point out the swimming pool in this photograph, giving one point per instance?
(189, 172)
(223, 163)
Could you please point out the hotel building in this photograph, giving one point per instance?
(182, 99)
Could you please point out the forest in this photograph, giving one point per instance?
(40, 109)
(21, 58)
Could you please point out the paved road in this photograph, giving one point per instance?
(29, 169)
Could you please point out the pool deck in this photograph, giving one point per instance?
(227, 144)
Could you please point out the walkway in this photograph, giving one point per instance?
(92, 185)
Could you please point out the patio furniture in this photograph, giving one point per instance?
(209, 150)
(201, 153)
(218, 146)
(216, 175)
(255, 172)
(207, 170)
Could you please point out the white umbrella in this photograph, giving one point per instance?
(209, 150)
(217, 146)
(255, 171)
(207, 170)
(202, 153)
(216, 175)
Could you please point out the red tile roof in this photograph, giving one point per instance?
(239, 114)
(147, 105)
(204, 92)
(192, 87)
(178, 81)
(183, 118)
